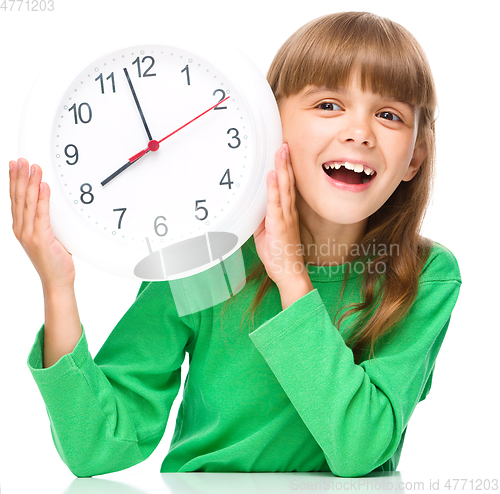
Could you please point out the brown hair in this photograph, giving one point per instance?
(391, 63)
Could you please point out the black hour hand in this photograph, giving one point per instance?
(131, 161)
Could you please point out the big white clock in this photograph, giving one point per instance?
(156, 156)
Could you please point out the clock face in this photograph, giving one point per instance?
(182, 186)
(151, 149)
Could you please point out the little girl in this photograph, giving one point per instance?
(349, 305)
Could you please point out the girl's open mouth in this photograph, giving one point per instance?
(349, 173)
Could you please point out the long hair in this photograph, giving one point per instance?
(391, 63)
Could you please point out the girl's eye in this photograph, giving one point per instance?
(387, 115)
(329, 106)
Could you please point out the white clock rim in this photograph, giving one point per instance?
(36, 128)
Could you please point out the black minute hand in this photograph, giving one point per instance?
(138, 105)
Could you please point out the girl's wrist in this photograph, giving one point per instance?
(54, 290)
(293, 289)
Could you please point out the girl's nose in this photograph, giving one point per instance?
(357, 130)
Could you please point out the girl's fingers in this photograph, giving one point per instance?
(292, 176)
(21, 182)
(31, 200)
(273, 195)
(42, 221)
(286, 181)
(12, 177)
(283, 178)
(280, 192)
(12, 190)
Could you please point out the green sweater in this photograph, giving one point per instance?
(282, 395)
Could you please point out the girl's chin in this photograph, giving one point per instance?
(341, 218)
(340, 210)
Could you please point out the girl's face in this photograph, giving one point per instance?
(327, 128)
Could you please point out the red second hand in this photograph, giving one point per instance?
(154, 145)
(191, 121)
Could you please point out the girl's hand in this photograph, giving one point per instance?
(30, 215)
(277, 239)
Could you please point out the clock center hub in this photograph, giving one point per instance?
(153, 145)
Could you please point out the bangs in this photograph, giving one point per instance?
(326, 52)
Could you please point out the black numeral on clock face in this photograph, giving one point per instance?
(222, 97)
(186, 69)
(197, 208)
(145, 73)
(161, 228)
(85, 116)
(121, 216)
(87, 197)
(228, 182)
(234, 145)
(111, 76)
(71, 154)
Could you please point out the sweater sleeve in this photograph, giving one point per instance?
(357, 413)
(109, 413)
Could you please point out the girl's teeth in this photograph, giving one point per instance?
(358, 168)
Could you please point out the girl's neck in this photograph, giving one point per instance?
(327, 243)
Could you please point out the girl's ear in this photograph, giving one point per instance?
(419, 155)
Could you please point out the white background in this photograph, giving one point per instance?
(454, 432)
